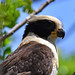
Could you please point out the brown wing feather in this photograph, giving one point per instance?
(33, 57)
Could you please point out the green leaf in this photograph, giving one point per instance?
(6, 41)
(27, 7)
(1, 57)
(6, 52)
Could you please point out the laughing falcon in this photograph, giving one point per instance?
(37, 53)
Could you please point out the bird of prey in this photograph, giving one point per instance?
(37, 53)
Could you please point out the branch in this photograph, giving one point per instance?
(17, 26)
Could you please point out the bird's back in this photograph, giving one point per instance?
(33, 57)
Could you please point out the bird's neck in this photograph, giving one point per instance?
(32, 34)
(50, 38)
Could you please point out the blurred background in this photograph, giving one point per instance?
(14, 11)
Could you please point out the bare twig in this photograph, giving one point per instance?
(17, 26)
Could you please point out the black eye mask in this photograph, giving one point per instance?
(42, 28)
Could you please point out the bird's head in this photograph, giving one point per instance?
(46, 27)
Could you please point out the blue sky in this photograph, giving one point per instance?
(64, 10)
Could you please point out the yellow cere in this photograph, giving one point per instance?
(54, 34)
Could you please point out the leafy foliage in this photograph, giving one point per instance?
(9, 13)
(6, 52)
(6, 41)
(66, 65)
(6, 49)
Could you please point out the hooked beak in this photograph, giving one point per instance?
(61, 33)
